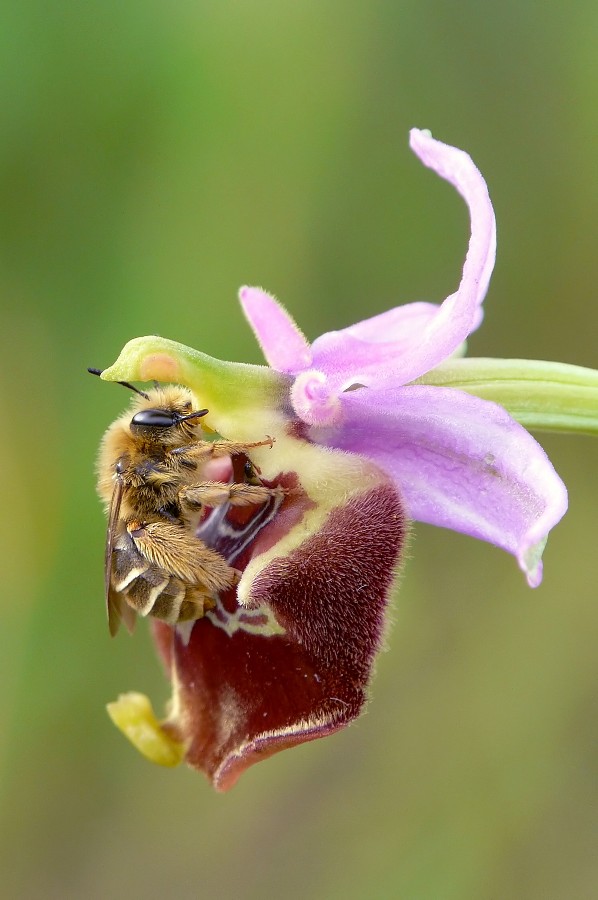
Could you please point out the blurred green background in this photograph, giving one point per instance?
(154, 157)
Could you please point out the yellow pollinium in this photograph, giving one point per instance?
(132, 713)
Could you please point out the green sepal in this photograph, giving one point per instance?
(541, 395)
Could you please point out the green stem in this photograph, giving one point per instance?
(544, 396)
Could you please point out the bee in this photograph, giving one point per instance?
(152, 469)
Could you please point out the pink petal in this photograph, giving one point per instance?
(399, 346)
(282, 342)
(460, 462)
(362, 352)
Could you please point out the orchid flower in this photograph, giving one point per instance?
(374, 425)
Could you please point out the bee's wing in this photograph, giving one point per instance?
(119, 610)
(116, 606)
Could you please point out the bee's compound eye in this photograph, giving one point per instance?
(154, 418)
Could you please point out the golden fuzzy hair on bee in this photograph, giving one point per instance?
(150, 478)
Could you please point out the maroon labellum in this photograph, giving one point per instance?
(293, 663)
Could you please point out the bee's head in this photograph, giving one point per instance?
(166, 415)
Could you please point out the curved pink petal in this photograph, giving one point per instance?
(457, 167)
(378, 351)
(460, 462)
(283, 343)
(362, 352)
(401, 325)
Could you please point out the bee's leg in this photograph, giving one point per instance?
(176, 551)
(205, 450)
(215, 493)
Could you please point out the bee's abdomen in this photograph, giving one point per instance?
(150, 590)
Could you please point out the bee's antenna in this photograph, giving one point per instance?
(194, 415)
(124, 383)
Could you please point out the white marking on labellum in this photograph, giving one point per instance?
(260, 621)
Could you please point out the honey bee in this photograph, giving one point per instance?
(150, 476)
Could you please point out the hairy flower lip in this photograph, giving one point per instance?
(241, 696)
